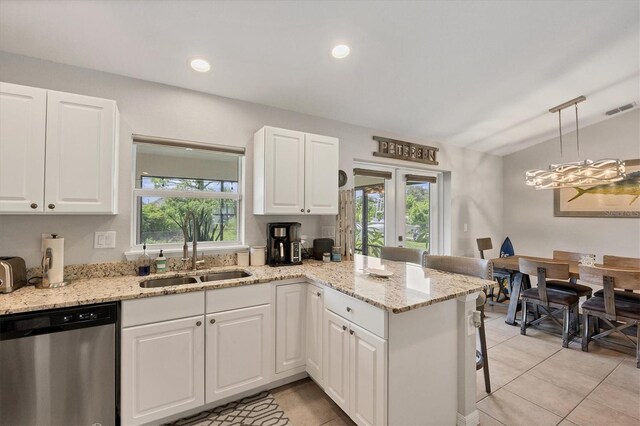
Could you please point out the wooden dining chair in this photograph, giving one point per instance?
(619, 262)
(616, 312)
(570, 286)
(480, 268)
(549, 300)
(402, 254)
(503, 278)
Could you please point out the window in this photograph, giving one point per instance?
(173, 179)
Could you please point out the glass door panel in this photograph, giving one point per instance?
(369, 214)
(417, 222)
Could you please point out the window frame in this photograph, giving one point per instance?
(203, 246)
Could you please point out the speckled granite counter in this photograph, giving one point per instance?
(409, 287)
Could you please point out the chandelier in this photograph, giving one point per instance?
(578, 173)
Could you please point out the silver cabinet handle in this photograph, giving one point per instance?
(199, 323)
(308, 210)
(52, 206)
(351, 332)
(34, 206)
(301, 210)
(318, 294)
(212, 321)
(348, 309)
(344, 328)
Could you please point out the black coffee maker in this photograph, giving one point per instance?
(283, 244)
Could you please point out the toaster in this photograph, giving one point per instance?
(13, 274)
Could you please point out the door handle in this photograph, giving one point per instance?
(212, 321)
(351, 332)
(344, 328)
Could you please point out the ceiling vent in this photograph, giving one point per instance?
(622, 108)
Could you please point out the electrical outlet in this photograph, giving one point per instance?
(105, 239)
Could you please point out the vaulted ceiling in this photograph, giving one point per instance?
(476, 74)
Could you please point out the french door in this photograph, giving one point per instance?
(396, 207)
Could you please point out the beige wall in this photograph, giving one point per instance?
(153, 109)
(528, 214)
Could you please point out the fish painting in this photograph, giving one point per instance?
(630, 185)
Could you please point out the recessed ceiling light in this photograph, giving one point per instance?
(199, 64)
(145, 173)
(340, 51)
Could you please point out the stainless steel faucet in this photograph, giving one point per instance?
(185, 248)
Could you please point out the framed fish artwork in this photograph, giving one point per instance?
(618, 199)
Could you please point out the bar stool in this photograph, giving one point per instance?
(476, 268)
(402, 254)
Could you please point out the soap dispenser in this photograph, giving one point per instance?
(161, 263)
(144, 262)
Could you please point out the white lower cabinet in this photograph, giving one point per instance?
(314, 328)
(162, 368)
(368, 377)
(336, 359)
(290, 326)
(238, 349)
(355, 370)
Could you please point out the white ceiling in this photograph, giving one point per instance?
(478, 74)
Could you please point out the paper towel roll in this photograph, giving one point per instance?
(56, 270)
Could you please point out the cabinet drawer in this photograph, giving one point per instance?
(225, 299)
(358, 312)
(162, 308)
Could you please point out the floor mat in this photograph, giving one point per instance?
(256, 410)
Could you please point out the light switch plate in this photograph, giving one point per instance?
(106, 239)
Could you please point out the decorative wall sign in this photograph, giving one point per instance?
(401, 150)
(618, 199)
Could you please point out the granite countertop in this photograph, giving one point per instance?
(410, 286)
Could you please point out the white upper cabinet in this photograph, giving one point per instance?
(81, 154)
(23, 116)
(320, 174)
(70, 144)
(294, 173)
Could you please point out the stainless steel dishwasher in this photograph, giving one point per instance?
(58, 367)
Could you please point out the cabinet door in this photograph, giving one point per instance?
(81, 154)
(290, 326)
(238, 349)
(336, 359)
(315, 309)
(284, 171)
(162, 371)
(321, 175)
(368, 373)
(22, 139)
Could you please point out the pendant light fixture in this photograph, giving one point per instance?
(578, 173)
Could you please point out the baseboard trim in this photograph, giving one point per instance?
(471, 419)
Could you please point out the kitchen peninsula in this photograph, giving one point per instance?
(397, 350)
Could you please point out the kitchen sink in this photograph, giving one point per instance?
(164, 282)
(227, 275)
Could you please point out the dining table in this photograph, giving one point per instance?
(520, 281)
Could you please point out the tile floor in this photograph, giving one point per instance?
(534, 382)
